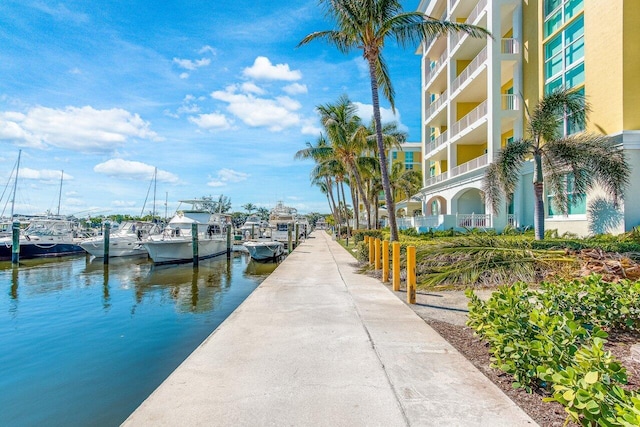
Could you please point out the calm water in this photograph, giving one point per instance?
(81, 344)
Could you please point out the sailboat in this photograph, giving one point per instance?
(44, 237)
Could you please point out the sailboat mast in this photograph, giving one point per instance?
(155, 182)
(60, 193)
(15, 183)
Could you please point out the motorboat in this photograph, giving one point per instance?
(45, 237)
(174, 244)
(280, 219)
(253, 227)
(126, 240)
(264, 250)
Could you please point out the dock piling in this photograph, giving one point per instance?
(229, 246)
(297, 234)
(15, 242)
(106, 233)
(194, 244)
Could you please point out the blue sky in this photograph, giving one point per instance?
(213, 94)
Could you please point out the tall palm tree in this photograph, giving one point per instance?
(404, 182)
(587, 159)
(249, 207)
(366, 25)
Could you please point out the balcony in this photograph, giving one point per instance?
(474, 115)
(471, 19)
(474, 65)
(437, 142)
(510, 46)
(433, 71)
(435, 106)
(510, 102)
(472, 164)
(436, 179)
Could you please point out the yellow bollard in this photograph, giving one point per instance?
(371, 251)
(366, 240)
(385, 260)
(411, 274)
(396, 265)
(376, 252)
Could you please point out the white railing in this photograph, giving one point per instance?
(510, 102)
(440, 140)
(474, 220)
(436, 179)
(456, 36)
(510, 46)
(432, 72)
(431, 221)
(405, 222)
(511, 220)
(472, 164)
(471, 68)
(474, 115)
(435, 105)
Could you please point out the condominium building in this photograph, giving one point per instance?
(475, 93)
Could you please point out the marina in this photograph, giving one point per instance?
(85, 344)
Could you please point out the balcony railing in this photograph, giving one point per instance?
(472, 164)
(471, 68)
(510, 46)
(430, 221)
(473, 116)
(455, 36)
(437, 142)
(510, 102)
(474, 220)
(436, 69)
(435, 105)
(436, 179)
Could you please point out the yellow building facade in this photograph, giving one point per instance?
(476, 93)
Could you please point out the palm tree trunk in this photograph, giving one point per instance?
(361, 192)
(384, 171)
(336, 214)
(356, 207)
(346, 212)
(377, 205)
(538, 190)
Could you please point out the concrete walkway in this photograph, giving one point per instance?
(317, 344)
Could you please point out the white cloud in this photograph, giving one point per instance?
(184, 76)
(211, 121)
(274, 114)
(123, 204)
(128, 169)
(249, 87)
(207, 48)
(295, 89)
(43, 174)
(309, 127)
(75, 128)
(226, 176)
(365, 112)
(263, 69)
(191, 65)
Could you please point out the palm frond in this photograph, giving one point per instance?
(502, 176)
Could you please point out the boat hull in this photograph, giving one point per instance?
(265, 251)
(30, 250)
(117, 247)
(178, 250)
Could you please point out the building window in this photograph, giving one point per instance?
(432, 169)
(394, 155)
(557, 12)
(435, 208)
(564, 58)
(577, 202)
(408, 160)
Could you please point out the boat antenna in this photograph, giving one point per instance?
(166, 202)
(15, 184)
(60, 193)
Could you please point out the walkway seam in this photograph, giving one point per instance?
(370, 338)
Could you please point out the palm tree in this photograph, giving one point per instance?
(249, 207)
(584, 158)
(346, 136)
(404, 183)
(366, 25)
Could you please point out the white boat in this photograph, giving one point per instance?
(264, 250)
(44, 237)
(174, 244)
(280, 218)
(253, 224)
(126, 240)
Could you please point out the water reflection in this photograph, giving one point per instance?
(71, 329)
